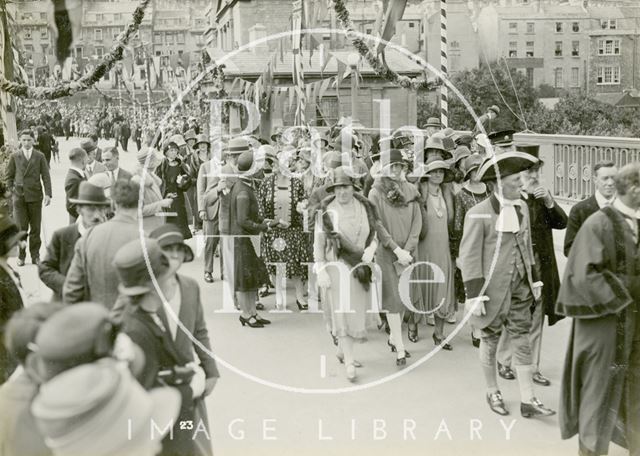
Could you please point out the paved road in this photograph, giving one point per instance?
(262, 403)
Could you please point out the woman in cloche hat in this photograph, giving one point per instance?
(346, 234)
(436, 298)
(175, 175)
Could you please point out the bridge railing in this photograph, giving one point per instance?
(569, 160)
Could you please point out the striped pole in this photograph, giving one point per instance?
(444, 92)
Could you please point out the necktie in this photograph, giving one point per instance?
(113, 178)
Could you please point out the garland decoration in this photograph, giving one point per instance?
(87, 81)
(372, 59)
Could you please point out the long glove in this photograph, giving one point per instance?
(476, 305)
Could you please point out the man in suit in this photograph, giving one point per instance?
(27, 173)
(208, 207)
(500, 282)
(125, 133)
(94, 137)
(75, 175)
(546, 216)
(91, 275)
(93, 166)
(603, 177)
(91, 204)
(44, 142)
(111, 161)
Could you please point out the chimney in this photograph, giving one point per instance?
(258, 32)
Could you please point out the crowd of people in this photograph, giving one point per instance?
(377, 232)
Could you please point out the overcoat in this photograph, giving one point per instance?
(10, 302)
(577, 216)
(487, 257)
(53, 269)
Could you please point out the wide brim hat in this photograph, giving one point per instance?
(432, 165)
(441, 143)
(237, 146)
(320, 143)
(190, 134)
(177, 139)
(341, 178)
(433, 122)
(392, 156)
(268, 152)
(460, 153)
(469, 164)
(132, 269)
(89, 194)
(505, 164)
(169, 234)
(86, 409)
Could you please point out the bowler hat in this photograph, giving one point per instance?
(433, 122)
(130, 263)
(202, 138)
(90, 194)
(392, 156)
(237, 146)
(10, 234)
(435, 163)
(505, 164)
(341, 178)
(88, 145)
(86, 410)
(169, 234)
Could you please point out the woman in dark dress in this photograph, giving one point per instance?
(175, 173)
(250, 272)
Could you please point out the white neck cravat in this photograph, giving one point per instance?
(508, 218)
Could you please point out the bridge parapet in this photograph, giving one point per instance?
(569, 160)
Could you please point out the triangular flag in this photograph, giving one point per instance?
(342, 68)
(323, 88)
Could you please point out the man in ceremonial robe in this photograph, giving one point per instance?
(600, 395)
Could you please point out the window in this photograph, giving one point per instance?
(575, 27)
(79, 52)
(530, 76)
(575, 77)
(116, 32)
(608, 47)
(27, 33)
(158, 53)
(412, 24)
(575, 48)
(169, 37)
(43, 16)
(455, 44)
(559, 27)
(513, 49)
(529, 52)
(27, 16)
(99, 51)
(28, 48)
(44, 33)
(558, 52)
(157, 38)
(531, 27)
(610, 24)
(98, 34)
(100, 17)
(180, 38)
(513, 27)
(608, 75)
(180, 52)
(557, 78)
(327, 111)
(164, 61)
(117, 16)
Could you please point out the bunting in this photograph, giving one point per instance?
(394, 11)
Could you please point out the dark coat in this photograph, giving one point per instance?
(601, 292)
(543, 222)
(26, 178)
(71, 185)
(53, 269)
(10, 302)
(577, 216)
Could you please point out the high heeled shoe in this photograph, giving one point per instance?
(340, 357)
(394, 350)
(251, 321)
(262, 321)
(413, 334)
(302, 306)
(437, 341)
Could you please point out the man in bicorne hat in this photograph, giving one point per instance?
(496, 260)
(600, 393)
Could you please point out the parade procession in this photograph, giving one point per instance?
(319, 227)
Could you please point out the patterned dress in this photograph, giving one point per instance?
(289, 246)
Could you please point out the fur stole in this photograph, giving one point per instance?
(342, 247)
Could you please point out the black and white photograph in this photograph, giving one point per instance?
(319, 227)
